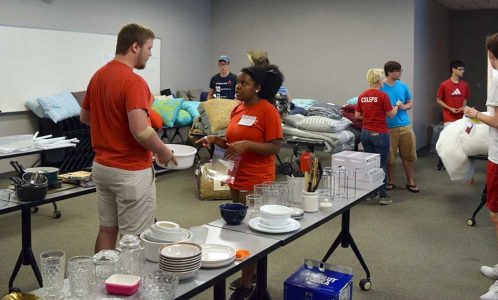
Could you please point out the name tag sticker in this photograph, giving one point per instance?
(247, 120)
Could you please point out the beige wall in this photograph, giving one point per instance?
(324, 47)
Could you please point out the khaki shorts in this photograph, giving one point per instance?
(126, 199)
(402, 139)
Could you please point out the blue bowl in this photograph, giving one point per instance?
(233, 213)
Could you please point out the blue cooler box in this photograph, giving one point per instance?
(312, 282)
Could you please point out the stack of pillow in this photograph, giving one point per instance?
(57, 107)
(177, 111)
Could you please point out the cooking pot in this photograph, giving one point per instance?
(31, 192)
(51, 173)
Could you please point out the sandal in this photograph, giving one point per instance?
(412, 188)
(390, 186)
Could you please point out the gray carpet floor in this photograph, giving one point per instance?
(419, 247)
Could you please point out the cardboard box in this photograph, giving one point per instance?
(354, 158)
(312, 282)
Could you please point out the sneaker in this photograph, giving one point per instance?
(236, 283)
(242, 293)
(492, 293)
(491, 272)
(385, 200)
(371, 196)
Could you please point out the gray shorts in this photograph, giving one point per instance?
(126, 199)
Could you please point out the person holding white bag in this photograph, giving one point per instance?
(491, 119)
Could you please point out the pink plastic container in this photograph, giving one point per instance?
(121, 284)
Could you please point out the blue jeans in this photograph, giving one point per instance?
(375, 142)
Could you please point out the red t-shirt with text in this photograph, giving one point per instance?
(374, 105)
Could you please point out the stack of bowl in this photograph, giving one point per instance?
(274, 216)
(181, 259)
(162, 233)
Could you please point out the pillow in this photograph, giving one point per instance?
(293, 120)
(353, 101)
(215, 114)
(323, 124)
(60, 106)
(182, 94)
(156, 121)
(184, 118)
(304, 103)
(35, 107)
(168, 109)
(191, 107)
(195, 94)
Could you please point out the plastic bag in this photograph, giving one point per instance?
(221, 169)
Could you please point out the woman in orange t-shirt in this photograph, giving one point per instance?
(255, 129)
(255, 134)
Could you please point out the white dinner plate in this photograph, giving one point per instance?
(293, 226)
(265, 224)
(215, 253)
(218, 264)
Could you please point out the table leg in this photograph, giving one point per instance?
(219, 290)
(26, 256)
(346, 240)
(261, 292)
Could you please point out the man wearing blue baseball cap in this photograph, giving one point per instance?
(222, 85)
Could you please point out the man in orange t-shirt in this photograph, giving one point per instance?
(116, 106)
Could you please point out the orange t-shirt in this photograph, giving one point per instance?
(254, 168)
(113, 91)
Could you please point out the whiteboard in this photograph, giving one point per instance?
(42, 62)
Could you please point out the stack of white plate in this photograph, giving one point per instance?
(274, 219)
(181, 259)
(216, 256)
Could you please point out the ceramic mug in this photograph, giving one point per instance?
(310, 201)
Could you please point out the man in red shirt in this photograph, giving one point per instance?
(452, 96)
(116, 106)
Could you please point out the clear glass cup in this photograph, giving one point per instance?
(159, 285)
(81, 274)
(270, 193)
(53, 266)
(199, 234)
(283, 193)
(254, 201)
(106, 263)
(325, 185)
(258, 189)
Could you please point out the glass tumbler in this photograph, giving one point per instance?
(81, 275)
(254, 202)
(270, 193)
(53, 265)
(283, 194)
(199, 234)
(159, 285)
(132, 255)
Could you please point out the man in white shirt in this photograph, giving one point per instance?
(491, 119)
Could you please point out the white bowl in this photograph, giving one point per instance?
(151, 248)
(275, 210)
(167, 226)
(284, 222)
(181, 250)
(184, 155)
(166, 236)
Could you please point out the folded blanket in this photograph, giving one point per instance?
(332, 140)
(329, 112)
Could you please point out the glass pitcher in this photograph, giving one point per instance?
(132, 255)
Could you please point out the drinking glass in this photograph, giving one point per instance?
(81, 275)
(159, 285)
(199, 234)
(254, 202)
(270, 193)
(283, 193)
(258, 189)
(132, 255)
(53, 265)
